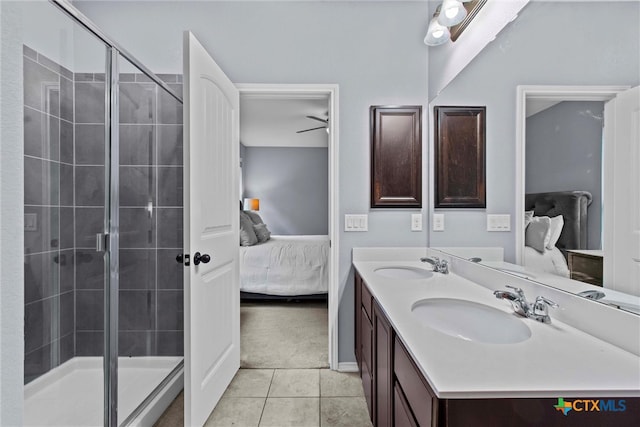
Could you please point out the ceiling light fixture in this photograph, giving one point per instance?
(437, 33)
(452, 13)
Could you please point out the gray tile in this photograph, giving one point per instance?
(36, 78)
(344, 412)
(89, 102)
(53, 100)
(83, 77)
(170, 343)
(137, 269)
(89, 222)
(295, 383)
(143, 78)
(67, 347)
(127, 77)
(50, 64)
(67, 313)
(41, 182)
(170, 272)
(37, 324)
(170, 147)
(89, 269)
(136, 310)
(291, 412)
(37, 363)
(66, 142)
(66, 184)
(236, 411)
(41, 276)
(90, 186)
(340, 384)
(90, 145)
(170, 230)
(67, 270)
(170, 188)
(66, 228)
(41, 135)
(250, 383)
(136, 343)
(170, 310)
(66, 99)
(169, 108)
(89, 343)
(137, 103)
(168, 78)
(89, 310)
(46, 235)
(137, 228)
(137, 144)
(137, 186)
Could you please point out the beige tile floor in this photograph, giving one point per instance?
(292, 397)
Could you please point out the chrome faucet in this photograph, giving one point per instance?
(439, 265)
(539, 310)
(592, 294)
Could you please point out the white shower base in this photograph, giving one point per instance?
(72, 394)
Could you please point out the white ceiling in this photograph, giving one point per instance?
(272, 120)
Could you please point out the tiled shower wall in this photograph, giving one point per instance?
(64, 187)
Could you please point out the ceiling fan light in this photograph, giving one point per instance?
(436, 34)
(452, 13)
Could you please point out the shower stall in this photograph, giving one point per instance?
(102, 227)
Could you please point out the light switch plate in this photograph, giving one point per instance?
(438, 222)
(356, 222)
(30, 222)
(499, 222)
(416, 222)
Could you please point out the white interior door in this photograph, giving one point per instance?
(622, 192)
(211, 289)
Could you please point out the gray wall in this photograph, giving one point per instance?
(551, 43)
(564, 152)
(373, 50)
(292, 185)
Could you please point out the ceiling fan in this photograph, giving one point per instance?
(325, 121)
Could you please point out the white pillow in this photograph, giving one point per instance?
(556, 224)
(538, 233)
(528, 215)
(262, 232)
(247, 234)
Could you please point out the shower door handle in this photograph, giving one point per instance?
(102, 242)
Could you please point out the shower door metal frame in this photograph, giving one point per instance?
(108, 240)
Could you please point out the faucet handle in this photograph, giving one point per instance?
(518, 290)
(542, 301)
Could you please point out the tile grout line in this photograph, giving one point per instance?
(264, 405)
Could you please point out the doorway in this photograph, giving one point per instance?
(329, 93)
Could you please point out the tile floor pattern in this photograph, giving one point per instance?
(285, 398)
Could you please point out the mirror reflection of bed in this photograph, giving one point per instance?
(284, 242)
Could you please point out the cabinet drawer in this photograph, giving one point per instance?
(415, 390)
(366, 301)
(402, 416)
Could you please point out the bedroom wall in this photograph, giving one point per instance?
(564, 152)
(372, 50)
(551, 43)
(292, 185)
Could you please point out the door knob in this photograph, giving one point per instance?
(183, 259)
(201, 258)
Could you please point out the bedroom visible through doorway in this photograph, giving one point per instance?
(286, 227)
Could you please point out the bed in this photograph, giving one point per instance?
(572, 206)
(285, 266)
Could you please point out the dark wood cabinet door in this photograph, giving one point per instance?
(402, 416)
(356, 311)
(460, 157)
(383, 368)
(366, 372)
(396, 157)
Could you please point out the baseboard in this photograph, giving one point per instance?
(347, 367)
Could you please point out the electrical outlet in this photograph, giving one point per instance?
(438, 222)
(356, 222)
(416, 222)
(499, 222)
(31, 222)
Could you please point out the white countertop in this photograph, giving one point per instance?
(556, 361)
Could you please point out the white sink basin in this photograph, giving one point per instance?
(471, 321)
(404, 273)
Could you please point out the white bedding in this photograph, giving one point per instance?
(551, 261)
(286, 265)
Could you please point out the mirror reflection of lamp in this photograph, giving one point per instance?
(251, 204)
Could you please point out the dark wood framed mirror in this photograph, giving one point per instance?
(460, 177)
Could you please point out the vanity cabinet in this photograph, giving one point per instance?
(398, 394)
